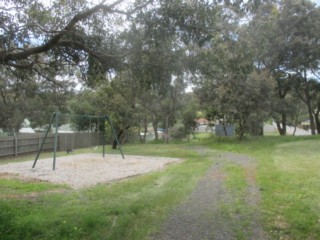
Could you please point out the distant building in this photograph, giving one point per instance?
(202, 121)
(66, 128)
(25, 127)
(26, 130)
(202, 125)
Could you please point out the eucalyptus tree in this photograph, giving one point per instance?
(300, 21)
(52, 36)
(102, 101)
(309, 93)
(42, 36)
(158, 37)
(265, 38)
(229, 80)
(284, 34)
(54, 44)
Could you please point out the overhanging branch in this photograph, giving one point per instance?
(9, 57)
(82, 46)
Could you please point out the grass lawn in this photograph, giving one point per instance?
(289, 178)
(129, 209)
(288, 175)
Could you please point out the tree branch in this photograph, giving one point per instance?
(47, 78)
(9, 58)
(82, 46)
(316, 74)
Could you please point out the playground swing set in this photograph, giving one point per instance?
(55, 122)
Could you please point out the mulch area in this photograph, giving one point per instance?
(85, 170)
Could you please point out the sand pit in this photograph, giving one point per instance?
(85, 170)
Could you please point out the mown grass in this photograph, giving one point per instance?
(289, 179)
(130, 209)
(287, 173)
(15, 187)
(295, 191)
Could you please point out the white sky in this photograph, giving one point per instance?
(317, 2)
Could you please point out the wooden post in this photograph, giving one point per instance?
(39, 141)
(55, 142)
(15, 145)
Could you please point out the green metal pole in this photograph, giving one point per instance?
(55, 142)
(115, 135)
(44, 139)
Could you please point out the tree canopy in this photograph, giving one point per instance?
(249, 60)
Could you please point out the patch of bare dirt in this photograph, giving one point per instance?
(85, 170)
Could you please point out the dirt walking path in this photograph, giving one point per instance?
(211, 211)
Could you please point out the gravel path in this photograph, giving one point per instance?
(203, 215)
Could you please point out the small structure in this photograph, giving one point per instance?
(224, 130)
(202, 125)
(202, 121)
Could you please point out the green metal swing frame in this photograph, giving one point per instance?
(55, 119)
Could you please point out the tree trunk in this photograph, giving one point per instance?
(120, 133)
(308, 102)
(224, 127)
(312, 124)
(317, 120)
(145, 127)
(261, 132)
(296, 119)
(155, 129)
(241, 130)
(282, 126)
(167, 130)
(115, 143)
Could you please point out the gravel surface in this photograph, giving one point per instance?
(206, 215)
(85, 170)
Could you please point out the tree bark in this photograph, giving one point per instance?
(282, 126)
(155, 129)
(308, 102)
(317, 120)
(167, 129)
(145, 123)
(241, 130)
(120, 133)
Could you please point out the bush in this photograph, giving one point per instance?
(178, 132)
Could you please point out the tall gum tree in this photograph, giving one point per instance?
(299, 21)
(285, 39)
